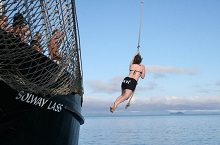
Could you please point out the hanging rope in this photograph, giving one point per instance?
(138, 47)
(139, 37)
(128, 104)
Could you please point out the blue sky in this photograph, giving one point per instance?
(180, 46)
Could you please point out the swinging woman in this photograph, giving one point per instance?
(129, 83)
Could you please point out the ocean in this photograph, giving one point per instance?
(151, 130)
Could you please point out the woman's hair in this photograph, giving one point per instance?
(137, 59)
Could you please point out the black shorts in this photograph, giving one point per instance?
(129, 83)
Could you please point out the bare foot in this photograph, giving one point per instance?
(112, 109)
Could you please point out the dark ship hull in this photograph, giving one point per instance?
(30, 119)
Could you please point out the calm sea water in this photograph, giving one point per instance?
(151, 130)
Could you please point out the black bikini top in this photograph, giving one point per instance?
(136, 71)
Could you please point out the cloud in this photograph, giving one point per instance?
(114, 85)
(155, 103)
(208, 91)
(157, 75)
(148, 86)
(169, 69)
(202, 85)
(111, 86)
(218, 83)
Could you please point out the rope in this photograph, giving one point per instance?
(139, 37)
(138, 47)
(128, 104)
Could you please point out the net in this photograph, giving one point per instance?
(39, 46)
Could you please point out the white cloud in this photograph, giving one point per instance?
(114, 85)
(169, 69)
(149, 86)
(110, 86)
(158, 75)
(197, 111)
(208, 91)
(155, 103)
(218, 83)
(206, 88)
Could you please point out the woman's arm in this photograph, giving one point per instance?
(143, 72)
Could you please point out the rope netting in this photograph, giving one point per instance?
(39, 46)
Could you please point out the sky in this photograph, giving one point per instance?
(180, 46)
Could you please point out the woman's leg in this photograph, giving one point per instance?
(112, 108)
(124, 96)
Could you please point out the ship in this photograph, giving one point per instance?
(41, 76)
